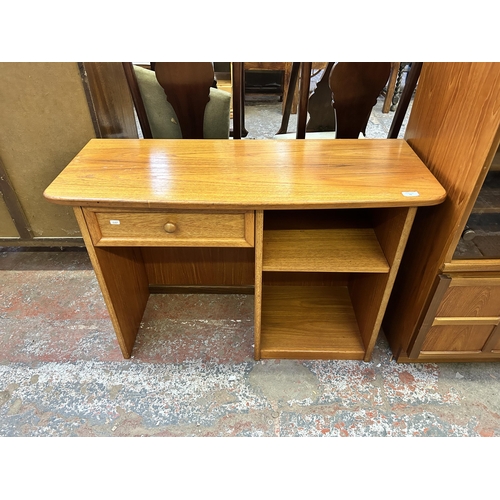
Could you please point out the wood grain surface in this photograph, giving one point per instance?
(457, 338)
(259, 226)
(309, 323)
(171, 228)
(370, 292)
(470, 301)
(255, 174)
(456, 132)
(124, 188)
(124, 284)
(323, 250)
(199, 266)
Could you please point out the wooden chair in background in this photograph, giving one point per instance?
(342, 101)
(355, 89)
(404, 101)
(178, 100)
(319, 105)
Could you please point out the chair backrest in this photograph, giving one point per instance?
(178, 100)
(135, 92)
(322, 117)
(343, 99)
(355, 88)
(187, 87)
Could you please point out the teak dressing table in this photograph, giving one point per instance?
(315, 228)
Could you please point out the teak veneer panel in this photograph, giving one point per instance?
(202, 229)
(136, 180)
(329, 250)
(222, 174)
(303, 322)
(199, 266)
(465, 320)
(259, 231)
(287, 278)
(470, 301)
(457, 338)
(124, 285)
(370, 292)
(456, 132)
(486, 265)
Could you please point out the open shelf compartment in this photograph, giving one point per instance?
(309, 322)
(324, 241)
(323, 279)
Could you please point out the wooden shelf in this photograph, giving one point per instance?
(321, 280)
(323, 250)
(309, 322)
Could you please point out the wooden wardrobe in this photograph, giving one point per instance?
(445, 304)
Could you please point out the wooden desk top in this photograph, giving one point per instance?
(245, 174)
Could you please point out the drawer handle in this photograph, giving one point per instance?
(170, 227)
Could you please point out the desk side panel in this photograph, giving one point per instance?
(122, 277)
(370, 292)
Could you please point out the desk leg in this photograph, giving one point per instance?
(370, 292)
(259, 237)
(124, 284)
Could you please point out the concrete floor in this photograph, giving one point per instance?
(192, 373)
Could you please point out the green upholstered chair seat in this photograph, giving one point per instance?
(162, 118)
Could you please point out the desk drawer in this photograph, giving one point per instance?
(172, 228)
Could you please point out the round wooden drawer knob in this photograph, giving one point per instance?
(170, 227)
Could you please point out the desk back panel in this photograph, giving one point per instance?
(183, 266)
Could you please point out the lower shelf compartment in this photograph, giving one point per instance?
(309, 322)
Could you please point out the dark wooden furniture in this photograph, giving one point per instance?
(316, 228)
(321, 116)
(446, 300)
(288, 87)
(348, 91)
(355, 89)
(135, 93)
(290, 94)
(391, 87)
(239, 100)
(404, 101)
(187, 88)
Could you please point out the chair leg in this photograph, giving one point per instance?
(289, 98)
(239, 101)
(411, 83)
(237, 94)
(305, 77)
(391, 86)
